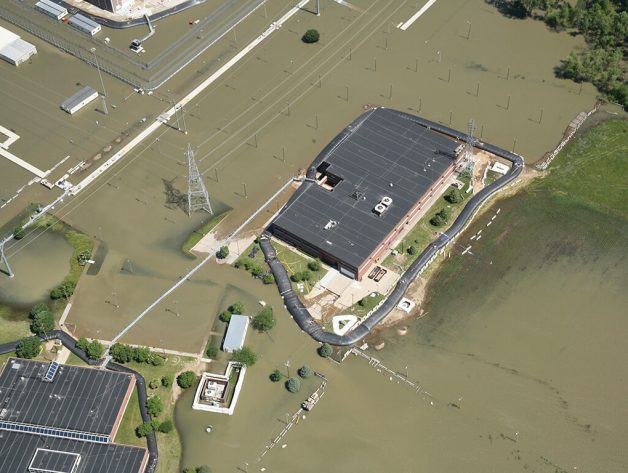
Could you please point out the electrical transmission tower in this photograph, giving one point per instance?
(468, 150)
(198, 199)
(3, 259)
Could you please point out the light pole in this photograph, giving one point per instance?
(288, 367)
(102, 83)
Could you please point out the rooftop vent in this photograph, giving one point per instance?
(379, 209)
(331, 224)
(386, 201)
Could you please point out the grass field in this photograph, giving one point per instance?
(593, 169)
(295, 263)
(12, 325)
(368, 303)
(196, 235)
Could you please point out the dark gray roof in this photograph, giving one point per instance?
(83, 94)
(383, 154)
(78, 398)
(17, 450)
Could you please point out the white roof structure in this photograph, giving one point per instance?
(51, 9)
(79, 100)
(13, 49)
(84, 24)
(236, 333)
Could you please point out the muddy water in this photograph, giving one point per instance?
(40, 261)
(521, 352)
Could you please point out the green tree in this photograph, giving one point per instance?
(212, 351)
(28, 347)
(412, 250)
(186, 379)
(154, 406)
(156, 359)
(311, 36)
(166, 426)
(314, 265)
(95, 350)
(63, 291)
(223, 252)
(38, 308)
(264, 320)
(237, 308)
(83, 257)
(325, 350)
(166, 380)
(440, 218)
(189, 470)
(256, 269)
(203, 469)
(142, 354)
(268, 278)
(225, 316)
(454, 196)
(154, 383)
(305, 371)
(43, 322)
(144, 429)
(18, 233)
(121, 353)
(293, 385)
(276, 376)
(82, 343)
(245, 355)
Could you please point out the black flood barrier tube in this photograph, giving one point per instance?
(70, 343)
(291, 300)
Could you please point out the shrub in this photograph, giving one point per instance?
(212, 351)
(144, 429)
(82, 343)
(156, 359)
(305, 371)
(28, 347)
(64, 290)
(314, 265)
(121, 353)
(362, 302)
(246, 356)
(264, 320)
(189, 470)
(268, 278)
(203, 469)
(166, 426)
(311, 36)
(256, 269)
(38, 308)
(42, 322)
(293, 385)
(83, 257)
(95, 350)
(186, 379)
(412, 250)
(301, 276)
(225, 316)
(441, 218)
(18, 233)
(141, 354)
(166, 380)
(223, 252)
(325, 350)
(154, 406)
(243, 262)
(455, 196)
(237, 308)
(276, 376)
(154, 383)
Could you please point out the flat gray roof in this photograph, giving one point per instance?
(17, 451)
(80, 20)
(382, 154)
(83, 94)
(80, 399)
(236, 332)
(51, 7)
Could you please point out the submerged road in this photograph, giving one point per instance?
(294, 305)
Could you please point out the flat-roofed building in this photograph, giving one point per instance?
(114, 6)
(84, 24)
(63, 419)
(371, 180)
(77, 101)
(52, 9)
(236, 333)
(14, 49)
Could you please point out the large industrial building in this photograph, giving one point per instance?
(371, 180)
(13, 49)
(61, 418)
(114, 6)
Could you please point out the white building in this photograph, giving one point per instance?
(79, 100)
(47, 7)
(236, 333)
(84, 24)
(13, 49)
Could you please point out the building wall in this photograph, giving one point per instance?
(109, 5)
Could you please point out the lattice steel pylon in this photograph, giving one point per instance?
(3, 259)
(468, 149)
(198, 199)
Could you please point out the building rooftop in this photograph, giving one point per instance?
(78, 98)
(77, 398)
(22, 452)
(382, 154)
(236, 333)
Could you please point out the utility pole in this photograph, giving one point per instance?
(4, 259)
(102, 83)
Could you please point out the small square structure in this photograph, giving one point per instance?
(79, 100)
(54, 461)
(236, 333)
(13, 49)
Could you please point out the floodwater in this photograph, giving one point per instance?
(521, 351)
(40, 262)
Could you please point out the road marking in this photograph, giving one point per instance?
(416, 16)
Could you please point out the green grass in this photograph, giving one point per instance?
(423, 233)
(295, 263)
(169, 445)
(369, 304)
(13, 325)
(593, 168)
(199, 233)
